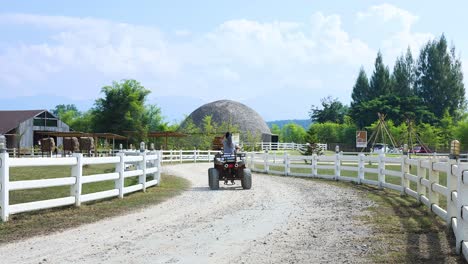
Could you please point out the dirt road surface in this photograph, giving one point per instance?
(280, 220)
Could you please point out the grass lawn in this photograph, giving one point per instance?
(29, 224)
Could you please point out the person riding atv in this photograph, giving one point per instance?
(229, 146)
(229, 165)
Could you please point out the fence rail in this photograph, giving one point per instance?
(424, 186)
(281, 146)
(188, 155)
(146, 164)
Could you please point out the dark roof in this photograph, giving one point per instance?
(11, 119)
(81, 134)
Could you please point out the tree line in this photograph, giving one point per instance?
(424, 97)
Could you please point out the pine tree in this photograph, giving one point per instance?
(440, 79)
(361, 90)
(403, 76)
(380, 83)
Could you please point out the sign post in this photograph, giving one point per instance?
(361, 139)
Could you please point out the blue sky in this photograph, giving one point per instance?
(278, 57)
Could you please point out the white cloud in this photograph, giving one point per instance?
(248, 58)
(389, 14)
(336, 46)
(393, 27)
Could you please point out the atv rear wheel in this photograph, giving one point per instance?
(210, 175)
(247, 179)
(213, 178)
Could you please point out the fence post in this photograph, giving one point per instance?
(314, 165)
(77, 172)
(266, 162)
(361, 168)
(120, 168)
(381, 170)
(4, 185)
(195, 156)
(180, 156)
(286, 164)
(142, 177)
(261, 145)
(433, 178)
(157, 176)
(209, 156)
(337, 166)
(14, 153)
(405, 183)
(452, 187)
(421, 175)
(462, 201)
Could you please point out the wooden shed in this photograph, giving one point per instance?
(21, 127)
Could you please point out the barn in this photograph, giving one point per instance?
(21, 127)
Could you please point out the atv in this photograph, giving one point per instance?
(228, 168)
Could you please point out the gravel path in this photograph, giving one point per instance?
(280, 220)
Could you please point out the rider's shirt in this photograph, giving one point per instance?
(228, 148)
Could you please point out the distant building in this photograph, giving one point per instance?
(20, 127)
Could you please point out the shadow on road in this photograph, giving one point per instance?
(221, 188)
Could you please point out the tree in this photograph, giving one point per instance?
(208, 132)
(324, 132)
(361, 90)
(155, 119)
(332, 111)
(459, 132)
(67, 113)
(403, 76)
(122, 109)
(440, 79)
(446, 126)
(275, 129)
(398, 109)
(76, 120)
(380, 83)
(83, 123)
(293, 133)
(193, 139)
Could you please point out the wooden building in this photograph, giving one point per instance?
(21, 127)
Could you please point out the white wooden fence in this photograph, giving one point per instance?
(428, 189)
(282, 146)
(180, 156)
(145, 164)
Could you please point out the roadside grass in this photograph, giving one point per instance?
(40, 222)
(403, 230)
